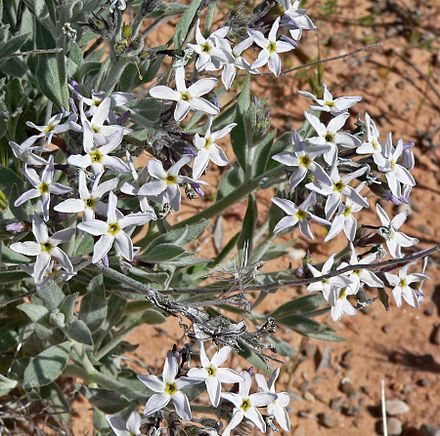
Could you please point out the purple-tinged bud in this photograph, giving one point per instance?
(197, 188)
(105, 261)
(288, 23)
(408, 145)
(289, 40)
(74, 84)
(73, 107)
(123, 118)
(17, 227)
(299, 273)
(190, 151)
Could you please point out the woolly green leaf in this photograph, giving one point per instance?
(46, 366)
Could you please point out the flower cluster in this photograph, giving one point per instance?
(324, 167)
(246, 405)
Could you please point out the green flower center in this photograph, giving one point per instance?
(208, 142)
(170, 388)
(90, 203)
(393, 164)
(170, 180)
(305, 161)
(338, 186)
(113, 229)
(301, 214)
(347, 211)
(245, 405)
(185, 96)
(272, 47)
(46, 247)
(329, 137)
(44, 188)
(96, 157)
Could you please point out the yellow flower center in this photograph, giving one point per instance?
(170, 180)
(305, 161)
(329, 137)
(46, 247)
(272, 47)
(96, 101)
(170, 388)
(211, 370)
(342, 294)
(44, 188)
(96, 129)
(329, 103)
(113, 229)
(301, 214)
(347, 211)
(206, 47)
(185, 96)
(357, 271)
(96, 157)
(338, 186)
(48, 128)
(375, 144)
(90, 203)
(245, 405)
(402, 283)
(208, 142)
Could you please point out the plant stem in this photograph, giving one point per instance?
(218, 207)
(103, 381)
(114, 74)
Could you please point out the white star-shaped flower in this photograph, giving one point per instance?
(402, 288)
(394, 172)
(344, 218)
(339, 187)
(42, 187)
(331, 135)
(303, 157)
(362, 275)
(298, 215)
(371, 144)
(335, 106)
(45, 248)
(165, 183)
(206, 48)
(131, 427)
(88, 201)
(213, 375)
(55, 126)
(326, 285)
(394, 239)
(234, 60)
(168, 389)
(271, 47)
(112, 231)
(246, 405)
(208, 150)
(278, 407)
(98, 157)
(187, 98)
(25, 151)
(297, 19)
(339, 302)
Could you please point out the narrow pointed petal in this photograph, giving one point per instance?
(102, 247)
